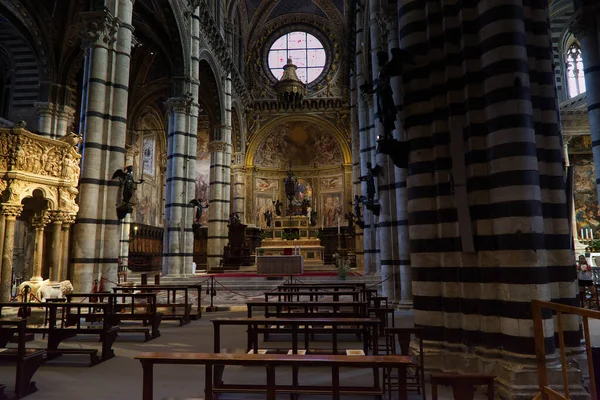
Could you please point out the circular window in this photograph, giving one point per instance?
(306, 52)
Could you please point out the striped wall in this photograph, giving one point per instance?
(560, 14)
(26, 75)
(484, 82)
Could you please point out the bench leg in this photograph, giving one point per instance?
(148, 385)
(108, 339)
(208, 382)
(155, 325)
(335, 382)
(25, 371)
(271, 392)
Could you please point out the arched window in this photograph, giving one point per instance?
(575, 80)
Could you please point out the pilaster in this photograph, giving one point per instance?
(39, 222)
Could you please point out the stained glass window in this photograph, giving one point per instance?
(306, 52)
(575, 79)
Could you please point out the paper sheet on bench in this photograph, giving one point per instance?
(1, 350)
(260, 351)
(300, 352)
(355, 352)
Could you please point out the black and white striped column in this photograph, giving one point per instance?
(483, 96)
(385, 189)
(177, 204)
(238, 176)
(46, 113)
(107, 43)
(364, 103)
(220, 183)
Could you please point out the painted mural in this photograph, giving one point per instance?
(266, 192)
(298, 143)
(332, 209)
(587, 212)
(202, 174)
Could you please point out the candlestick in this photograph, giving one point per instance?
(582, 234)
(338, 221)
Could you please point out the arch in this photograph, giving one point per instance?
(338, 134)
(50, 194)
(209, 77)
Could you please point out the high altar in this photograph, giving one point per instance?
(293, 235)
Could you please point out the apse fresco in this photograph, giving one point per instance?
(298, 143)
(587, 212)
(202, 173)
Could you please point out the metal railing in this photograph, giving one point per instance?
(547, 393)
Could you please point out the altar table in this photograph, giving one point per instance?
(280, 265)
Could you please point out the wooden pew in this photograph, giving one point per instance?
(67, 324)
(175, 310)
(292, 309)
(365, 327)
(28, 360)
(313, 296)
(213, 384)
(128, 309)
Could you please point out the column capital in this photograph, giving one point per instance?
(44, 107)
(40, 221)
(217, 145)
(97, 27)
(228, 27)
(57, 217)
(11, 210)
(179, 104)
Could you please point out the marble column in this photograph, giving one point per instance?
(385, 192)
(39, 222)
(356, 184)
(46, 112)
(177, 200)
(106, 41)
(124, 240)
(219, 197)
(238, 173)
(402, 259)
(63, 271)
(64, 120)
(585, 27)
(56, 249)
(10, 212)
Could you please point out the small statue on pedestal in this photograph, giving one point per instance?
(268, 217)
(278, 204)
(199, 209)
(234, 219)
(350, 218)
(372, 172)
(128, 184)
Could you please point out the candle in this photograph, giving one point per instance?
(338, 225)
(582, 233)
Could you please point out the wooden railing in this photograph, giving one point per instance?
(546, 393)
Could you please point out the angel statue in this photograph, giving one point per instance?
(372, 172)
(127, 182)
(199, 209)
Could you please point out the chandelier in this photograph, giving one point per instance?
(289, 88)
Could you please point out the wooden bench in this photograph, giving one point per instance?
(366, 328)
(172, 309)
(213, 362)
(316, 309)
(27, 360)
(127, 309)
(64, 323)
(312, 295)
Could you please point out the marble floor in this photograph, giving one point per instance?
(68, 378)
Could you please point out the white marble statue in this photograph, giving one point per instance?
(46, 290)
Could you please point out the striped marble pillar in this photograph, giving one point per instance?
(238, 175)
(402, 258)
(385, 190)
(177, 201)
(364, 132)
(356, 184)
(220, 183)
(586, 27)
(46, 112)
(482, 97)
(106, 39)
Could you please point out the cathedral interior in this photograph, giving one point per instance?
(135, 136)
